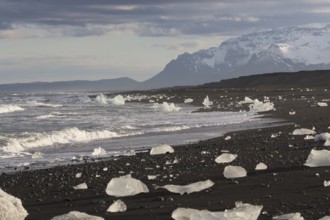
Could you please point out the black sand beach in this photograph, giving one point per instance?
(287, 185)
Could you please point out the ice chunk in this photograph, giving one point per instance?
(261, 166)
(234, 172)
(99, 152)
(101, 99)
(81, 186)
(189, 100)
(309, 137)
(258, 106)
(292, 113)
(207, 103)
(166, 107)
(78, 175)
(318, 158)
(193, 187)
(125, 186)
(11, 207)
(161, 149)
(322, 104)
(10, 108)
(247, 100)
(37, 155)
(291, 216)
(117, 206)
(75, 215)
(225, 158)
(323, 137)
(152, 177)
(303, 131)
(240, 212)
(325, 218)
(326, 183)
(227, 138)
(117, 100)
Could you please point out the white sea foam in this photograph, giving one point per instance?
(65, 136)
(41, 104)
(101, 99)
(117, 100)
(10, 108)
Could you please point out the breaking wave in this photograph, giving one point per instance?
(10, 108)
(66, 136)
(41, 104)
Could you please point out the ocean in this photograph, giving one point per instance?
(50, 129)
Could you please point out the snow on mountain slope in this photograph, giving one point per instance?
(278, 50)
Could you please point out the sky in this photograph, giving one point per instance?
(59, 40)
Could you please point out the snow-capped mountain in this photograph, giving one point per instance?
(279, 50)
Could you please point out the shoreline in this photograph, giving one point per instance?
(285, 187)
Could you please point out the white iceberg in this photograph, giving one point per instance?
(303, 131)
(101, 99)
(117, 100)
(247, 100)
(318, 158)
(258, 106)
(10, 108)
(240, 212)
(261, 166)
(117, 206)
(81, 186)
(11, 208)
(99, 152)
(75, 215)
(322, 104)
(231, 172)
(125, 186)
(189, 100)
(207, 103)
(290, 216)
(166, 107)
(190, 188)
(161, 149)
(225, 158)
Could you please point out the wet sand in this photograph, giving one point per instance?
(286, 186)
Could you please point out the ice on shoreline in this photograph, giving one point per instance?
(318, 158)
(189, 100)
(261, 166)
(81, 186)
(99, 152)
(290, 216)
(190, 188)
(246, 100)
(242, 211)
(258, 106)
(161, 149)
(11, 208)
(303, 131)
(117, 206)
(207, 103)
(231, 172)
(125, 186)
(75, 215)
(226, 158)
(166, 107)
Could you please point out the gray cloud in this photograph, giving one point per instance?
(161, 17)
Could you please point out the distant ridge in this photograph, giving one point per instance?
(119, 84)
(313, 78)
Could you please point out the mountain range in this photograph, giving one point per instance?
(280, 50)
